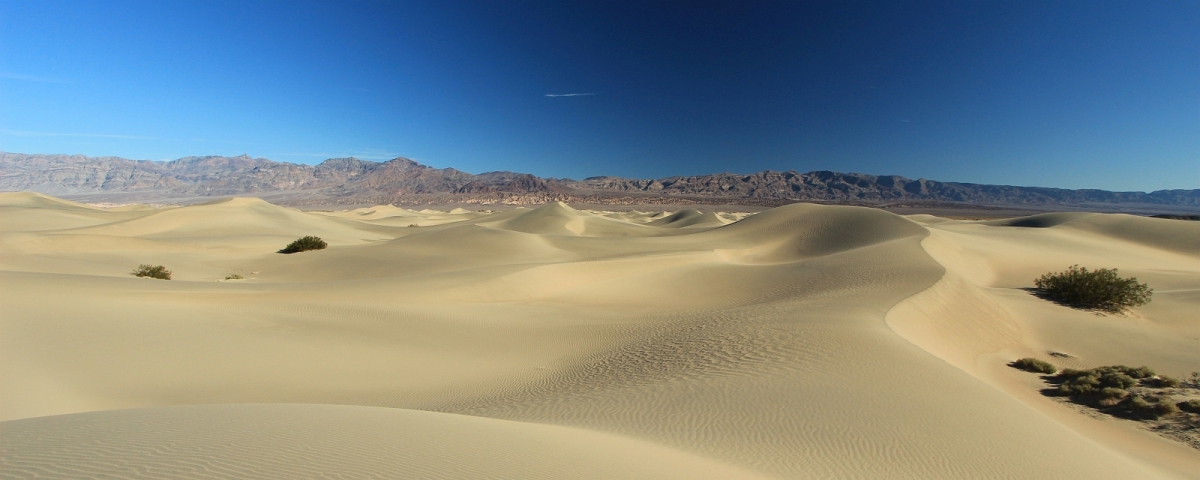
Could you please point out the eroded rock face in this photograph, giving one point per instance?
(216, 175)
(825, 185)
(342, 180)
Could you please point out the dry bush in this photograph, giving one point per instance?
(1189, 406)
(1151, 409)
(1085, 382)
(304, 244)
(1034, 365)
(151, 271)
(1161, 381)
(1101, 289)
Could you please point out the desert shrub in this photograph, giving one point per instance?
(1110, 397)
(1034, 365)
(1074, 382)
(1138, 372)
(1081, 385)
(234, 277)
(1121, 390)
(1154, 408)
(1117, 380)
(413, 225)
(304, 244)
(152, 271)
(1100, 289)
(1189, 406)
(1161, 381)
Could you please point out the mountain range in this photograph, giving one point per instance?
(404, 181)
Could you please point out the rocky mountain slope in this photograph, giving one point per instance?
(400, 180)
(834, 186)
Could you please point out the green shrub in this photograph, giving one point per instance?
(1139, 372)
(1110, 397)
(1161, 381)
(305, 244)
(1101, 289)
(1074, 382)
(1150, 409)
(1117, 380)
(1034, 365)
(234, 277)
(1081, 385)
(1121, 390)
(1189, 406)
(152, 271)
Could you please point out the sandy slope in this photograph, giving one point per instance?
(556, 343)
(979, 316)
(278, 441)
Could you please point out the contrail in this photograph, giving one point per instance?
(568, 94)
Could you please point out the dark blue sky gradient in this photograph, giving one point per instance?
(1077, 94)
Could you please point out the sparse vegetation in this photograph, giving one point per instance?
(1161, 381)
(305, 244)
(234, 277)
(1112, 396)
(1084, 382)
(1151, 408)
(1101, 289)
(151, 271)
(1034, 365)
(1136, 393)
(413, 225)
(1192, 406)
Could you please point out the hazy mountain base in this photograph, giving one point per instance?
(350, 181)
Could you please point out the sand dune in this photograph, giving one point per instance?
(394, 216)
(237, 219)
(308, 441)
(31, 212)
(559, 219)
(805, 341)
(689, 218)
(1177, 236)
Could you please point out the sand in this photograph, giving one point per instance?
(805, 341)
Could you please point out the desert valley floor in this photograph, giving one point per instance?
(806, 341)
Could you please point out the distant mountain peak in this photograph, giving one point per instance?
(352, 180)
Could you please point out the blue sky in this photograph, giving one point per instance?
(1075, 94)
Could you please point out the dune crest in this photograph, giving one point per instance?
(689, 218)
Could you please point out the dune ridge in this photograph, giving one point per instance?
(804, 341)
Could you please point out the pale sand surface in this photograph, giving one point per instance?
(802, 342)
(332, 441)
